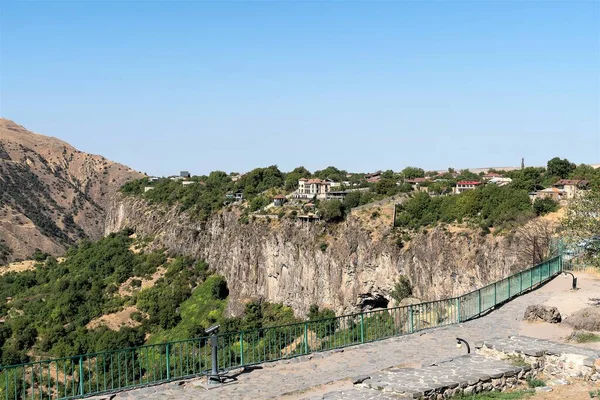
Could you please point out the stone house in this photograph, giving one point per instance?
(309, 188)
(571, 186)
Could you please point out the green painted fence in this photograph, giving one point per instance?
(92, 374)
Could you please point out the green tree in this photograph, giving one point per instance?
(560, 168)
(544, 206)
(386, 187)
(402, 289)
(258, 203)
(529, 178)
(582, 216)
(252, 316)
(291, 178)
(413, 172)
(331, 210)
(589, 173)
(331, 173)
(325, 321)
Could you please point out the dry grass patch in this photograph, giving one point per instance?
(115, 321)
(20, 266)
(127, 288)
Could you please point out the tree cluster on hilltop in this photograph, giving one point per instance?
(207, 194)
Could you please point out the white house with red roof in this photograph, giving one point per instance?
(309, 188)
(463, 186)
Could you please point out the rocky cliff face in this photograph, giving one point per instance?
(51, 194)
(287, 262)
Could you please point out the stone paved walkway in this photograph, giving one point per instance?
(300, 378)
(410, 383)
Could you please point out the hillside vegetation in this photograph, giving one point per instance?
(489, 206)
(48, 309)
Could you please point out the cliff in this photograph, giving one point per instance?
(346, 267)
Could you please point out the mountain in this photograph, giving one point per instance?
(51, 194)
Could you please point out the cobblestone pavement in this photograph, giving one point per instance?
(300, 378)
(411, 383)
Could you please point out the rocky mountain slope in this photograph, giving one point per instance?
(347, 267)
(51, 194)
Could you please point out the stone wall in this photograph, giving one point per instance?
(553, 359)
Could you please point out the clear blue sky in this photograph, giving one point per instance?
(164, 85)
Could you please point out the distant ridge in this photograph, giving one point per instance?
(51, 194)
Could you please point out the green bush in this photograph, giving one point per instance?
(402, 289)
(533, 383)
(324, 321)
(491, 205)
(331, 210)
(544, 206)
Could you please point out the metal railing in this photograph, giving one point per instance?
(98, 373)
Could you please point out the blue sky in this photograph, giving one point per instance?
(164, 85)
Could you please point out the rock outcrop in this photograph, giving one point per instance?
(283, 260)
(587, 319)
(541, 313)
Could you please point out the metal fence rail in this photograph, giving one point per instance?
(92, 374)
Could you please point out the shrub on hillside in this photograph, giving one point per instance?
(544, 206)
(402, 289)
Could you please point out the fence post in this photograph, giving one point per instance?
(168, 362)
(495, 294)
(478, 301)
(362, 328)
(241, 349)
(306, 338)
(530, 278)
(520, 282)
(81, 375)
(458, 309)
(411, 327)
(508, 285)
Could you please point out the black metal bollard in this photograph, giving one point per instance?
(214, 373)
(574, 283)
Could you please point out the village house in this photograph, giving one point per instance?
(491, 175)
(148, 188)
(237, 196)
(500, 181)
(278, 200)
(338, 195)
(185, 183)
(333, 183)
(549, 193)
(571, 186)
(463, 186)
(373, 177)
(309, 188)
(417, 184)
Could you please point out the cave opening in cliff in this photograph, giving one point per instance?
(370, 301)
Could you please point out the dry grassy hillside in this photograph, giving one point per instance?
(51, 194)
